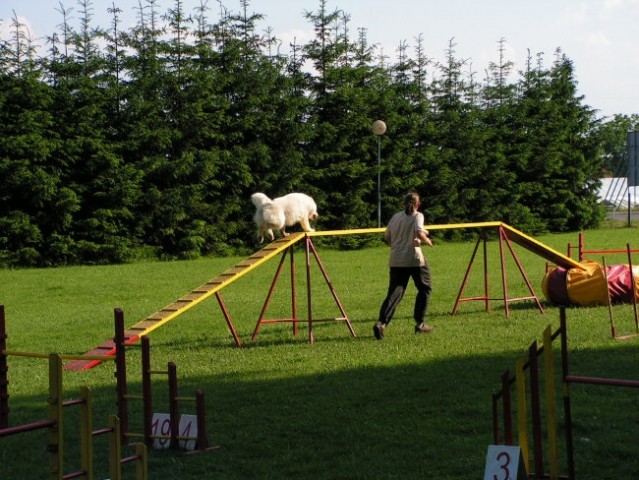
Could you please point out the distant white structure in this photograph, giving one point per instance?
(614, 191)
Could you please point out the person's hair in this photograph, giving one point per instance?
(411, 202)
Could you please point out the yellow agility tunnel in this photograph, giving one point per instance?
(593, 284)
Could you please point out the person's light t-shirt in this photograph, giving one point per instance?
(400, 234)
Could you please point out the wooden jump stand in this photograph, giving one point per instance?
(294, 319)
(581, 253)
(55, 424)
(533, 384)
(486, 298)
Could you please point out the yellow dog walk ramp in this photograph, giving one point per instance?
(181, 305)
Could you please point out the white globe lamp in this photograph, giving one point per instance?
(379, 128)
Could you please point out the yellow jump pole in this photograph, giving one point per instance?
(86, 433)
(115, 449)
(522, 410)
(141, 467)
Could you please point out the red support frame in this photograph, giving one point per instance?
(293, 318)
(503, 238)
(309, 249)
(227, 317)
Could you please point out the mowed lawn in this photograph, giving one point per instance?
(408, 407)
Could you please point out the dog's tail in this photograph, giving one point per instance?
(260, 199)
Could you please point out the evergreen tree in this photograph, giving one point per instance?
(411, 156)
(346, 100)
(558, 171)
(612, 135)
(461, 139)
(156, 136)
(34, 204)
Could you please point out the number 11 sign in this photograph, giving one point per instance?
(504, 462)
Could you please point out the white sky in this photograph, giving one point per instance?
(599, 36)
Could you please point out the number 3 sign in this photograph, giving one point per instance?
(504, 462)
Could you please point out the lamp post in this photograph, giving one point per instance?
(379, 128)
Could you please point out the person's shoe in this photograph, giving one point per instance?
(423, 328)
(378, 330)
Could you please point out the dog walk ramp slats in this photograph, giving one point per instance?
(181, 305)
(142, 326)
(204, 291)
(107, 349)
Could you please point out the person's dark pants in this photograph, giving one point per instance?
(399, 277)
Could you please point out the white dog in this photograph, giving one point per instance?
(282, 212)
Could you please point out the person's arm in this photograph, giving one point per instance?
(422, 235)
(387, 232)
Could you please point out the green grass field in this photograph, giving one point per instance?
(408, 407)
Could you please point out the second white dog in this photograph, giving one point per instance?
(282, 212)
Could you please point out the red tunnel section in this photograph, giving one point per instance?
(593, 285)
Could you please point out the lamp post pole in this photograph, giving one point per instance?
(379, 181)
(379, 128)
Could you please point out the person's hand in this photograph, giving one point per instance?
(423, 236)
(428, 242)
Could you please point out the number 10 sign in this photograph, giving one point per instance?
(161, 427)
(504, 462)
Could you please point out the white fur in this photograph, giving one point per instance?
(282, 212)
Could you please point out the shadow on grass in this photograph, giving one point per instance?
(423, 420)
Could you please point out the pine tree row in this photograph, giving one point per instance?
(116, 142)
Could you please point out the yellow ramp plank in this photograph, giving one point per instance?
(204, 291)
(515, 235)
(457, 226)
(446, 226)
(355, 231)
(540, 249)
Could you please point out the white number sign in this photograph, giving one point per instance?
(504, 462)
(161, 426)
(188, 428)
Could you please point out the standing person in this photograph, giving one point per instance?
(404, 234)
